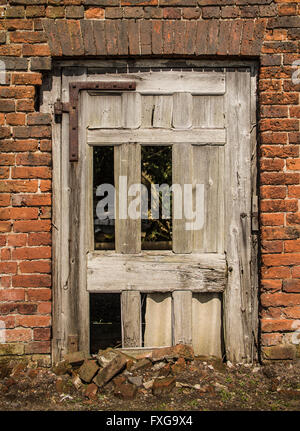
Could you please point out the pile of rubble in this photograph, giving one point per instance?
(89, 374)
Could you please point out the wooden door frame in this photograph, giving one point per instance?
(243, 313)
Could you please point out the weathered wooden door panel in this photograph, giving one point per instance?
(203, 283)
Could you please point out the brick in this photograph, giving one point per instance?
(41, 334)
(282, 259)
(113, 12)
(272, 246)
(271, 339)
(5, 226)
(7, 105)
(12, 295)
(35, 50)
(31, 172)
(34, 159)
(275, 325)
(55, 12)
(38, 294)
(88, 370)
(15, 12)
(25, 105)
(37, 347)
(125, 391)
(108, 372)
(16, 186)
(33, 280)
(32, 252)
(249, 11)
(44, 308)
(35, 11)
(11, 349)
(171, 13)
(279, 99)
(274, 111)
(91, 391)
(292, 312)
(31, 199)
(133, 12)
(271, 285)
(273, 192)
(284, 22)
(139, 2)
(14, 119)
(163, 386)
(74, 12)
(230, 12)
(191, 13)
(97, 13)
(8, 267)
(27, 37)
(279, 178)
(39, 266)
(282, 352)
(32, 226)
(279, 205)
(291, 286)
(4, 199)
(294, 191)
(27, 78)
(39, 239)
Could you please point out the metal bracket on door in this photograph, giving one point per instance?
(71, 107)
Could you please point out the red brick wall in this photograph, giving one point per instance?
(34, 31)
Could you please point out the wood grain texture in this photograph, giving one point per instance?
(158, 320)
(154, 136)
(156, 271)
(131, 319)
(238, 294)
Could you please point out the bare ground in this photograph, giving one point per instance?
(219, 387)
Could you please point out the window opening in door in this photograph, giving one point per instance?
(156, 174)
(103, 183)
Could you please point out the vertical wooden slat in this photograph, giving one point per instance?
(131, 110)
(163, 110)
(238, 294)
(206, 324)
(208, 169)
(147, 110)
(158, 320)
(127, 161)
(182, 317)
(182, 111)
(255, 224)
(105, 111)
(208, 111)
(181, 174)
(131, 319)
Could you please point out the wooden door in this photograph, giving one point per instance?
(198, 291)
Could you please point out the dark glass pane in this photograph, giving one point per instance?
(157, 169)
(103, 173)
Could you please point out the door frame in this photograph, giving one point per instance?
(245, 314)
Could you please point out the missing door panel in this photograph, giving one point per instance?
(105, 321)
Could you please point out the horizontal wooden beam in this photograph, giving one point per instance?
(196, 83)
(156, 136)
(155, 271)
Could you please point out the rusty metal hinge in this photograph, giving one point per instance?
(71, 107)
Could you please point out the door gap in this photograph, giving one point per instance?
(105, 321)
